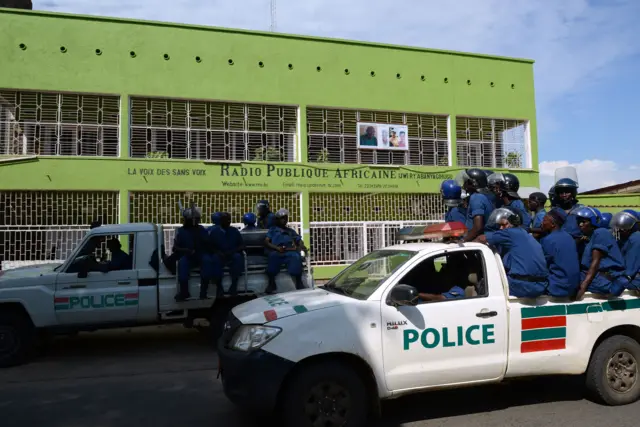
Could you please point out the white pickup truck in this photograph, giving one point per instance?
(328, 356)
(74, 296)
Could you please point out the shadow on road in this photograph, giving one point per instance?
(476, 400)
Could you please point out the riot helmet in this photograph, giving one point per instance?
(626, 220)
(451, 193)
(512, 184)
(472, 180)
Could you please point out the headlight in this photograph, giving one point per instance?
(252, 337)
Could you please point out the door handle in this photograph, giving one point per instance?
(484, 313)
(76, 287)
(124, 282)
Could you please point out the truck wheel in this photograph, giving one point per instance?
(16, 339)
(612, 375)
(325, 395)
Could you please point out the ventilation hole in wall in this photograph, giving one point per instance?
(398, 76)
(63, 49)
(230, 62)
(198, 59)
(373, 74)
(423, 78)
(290, 66)
(166, 56)
(346, 71)
(318, 68)
(492, 84)
(261, 64)
(446, 79)
(513, 86)
(469, 82)
(23, 46)
(132, 54)
(98, 52)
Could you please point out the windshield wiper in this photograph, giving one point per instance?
(332, 287)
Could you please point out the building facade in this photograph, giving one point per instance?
(116, 120)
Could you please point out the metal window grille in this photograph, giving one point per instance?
(376, 207)
(162, 207)
(59, 124)
(203, 130)
(332, 137)
(39, 226)
(499, 143)
(342, 243)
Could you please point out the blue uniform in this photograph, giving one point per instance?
(195, 239)
(457, 214)
(120, 260)
(454, 293)
(631, 254)
(564, 266)
(249, 227)
(519, 205)
(226, 241)
(611, 264)
(287, 238)
(479, 204)
(571, 223)
(266, 222)
(537, 218)
(523, 261)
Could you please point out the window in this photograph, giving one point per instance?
(492, 143)
(363, 277)
(59, 124)
(332, 137)
(203, 130)
(105, 253)
(438, 275)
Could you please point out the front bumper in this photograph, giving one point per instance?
(252, 380)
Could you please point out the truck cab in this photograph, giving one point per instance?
(91, 291)
(369, 335)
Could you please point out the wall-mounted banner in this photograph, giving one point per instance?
(377, 136)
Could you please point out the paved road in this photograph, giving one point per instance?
(165, 376)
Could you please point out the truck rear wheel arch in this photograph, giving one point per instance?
(17, 309)
(354, 362)
(631, 331)
(17, 323)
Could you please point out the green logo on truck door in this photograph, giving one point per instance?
(449, 337)
(88, 302)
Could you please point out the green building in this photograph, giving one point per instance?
(116, 120)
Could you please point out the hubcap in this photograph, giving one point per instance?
(8, 341)
(622, 371)
(328, 405)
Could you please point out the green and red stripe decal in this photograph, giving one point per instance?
(273, 314)
(61, 303)
(544, 328)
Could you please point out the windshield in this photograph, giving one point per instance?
(363, 277)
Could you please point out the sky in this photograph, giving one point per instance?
(587, 55)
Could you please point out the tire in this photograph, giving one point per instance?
(612, 375)
(345, 397)
(16, 339)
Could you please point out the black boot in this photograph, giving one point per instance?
(219, 289)
(183, 294)
(204, 289)
(299, 284)
(233, 290)
(271, 287)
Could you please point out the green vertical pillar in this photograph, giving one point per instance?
(453, 146)
(305, 212)
(124, 216)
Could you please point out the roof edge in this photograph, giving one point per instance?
(256, 33)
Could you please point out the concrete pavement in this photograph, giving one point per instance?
(165, 376)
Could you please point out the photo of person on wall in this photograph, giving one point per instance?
(368, 136)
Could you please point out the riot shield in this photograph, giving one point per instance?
(566, 172)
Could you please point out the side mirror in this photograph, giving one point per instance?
(403, 295)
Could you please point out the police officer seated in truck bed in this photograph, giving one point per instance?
(602, 265)
(522, 255)
(284, 245)
(561, 253)
(227, 251)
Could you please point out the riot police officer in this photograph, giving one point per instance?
(606, 220)
(602, 265)
(566, 191)
(227, 251)
(505, 187)
(266, 219)
(249, 221)
(537, 200)
(522, 255)
(474, 182)
(627, 223)
(215, 220)
(452, 196)
(561, 255)
(284, 245)
(189, 245)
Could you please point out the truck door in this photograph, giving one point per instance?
(107, 292)
(460, 340)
